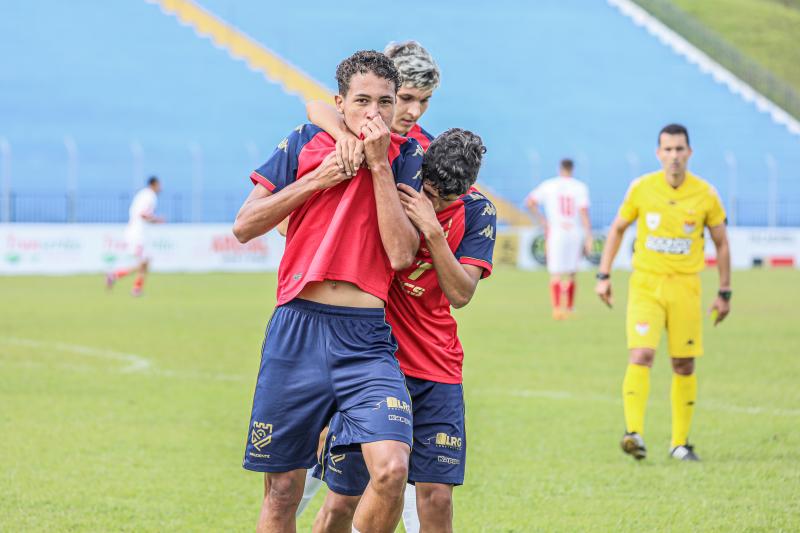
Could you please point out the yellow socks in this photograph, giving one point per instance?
(684, 394)
(635, 390)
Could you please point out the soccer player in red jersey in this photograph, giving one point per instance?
(328, 348)
(457, 225)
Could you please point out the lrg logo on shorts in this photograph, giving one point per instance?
(261, 435)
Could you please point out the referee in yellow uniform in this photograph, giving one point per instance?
(672, 208)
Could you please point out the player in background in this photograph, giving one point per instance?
(671, 208)
(568, 232)
(419, 75)
(457, 225)
(328, 348)
(140, 214)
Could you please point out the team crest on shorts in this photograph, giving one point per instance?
(642, 328)
(261, 435)
(653, 220)
(688, 226)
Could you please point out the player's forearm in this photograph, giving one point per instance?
(724, 264)
(613, 241)
(587, 224)
(458, 286)
(257, 217)
(399, 237)
(326, 117)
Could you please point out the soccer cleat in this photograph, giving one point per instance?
(110, 280)
(633, 444)
(684, 452)
(136, 292)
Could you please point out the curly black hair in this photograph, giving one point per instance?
(452, 161)
(364, 62)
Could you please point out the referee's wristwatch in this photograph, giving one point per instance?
(725, 295)
(602, 276)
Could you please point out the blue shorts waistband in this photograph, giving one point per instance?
(307, 306)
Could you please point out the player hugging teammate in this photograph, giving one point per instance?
(398, 240)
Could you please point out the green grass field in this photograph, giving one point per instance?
(131, 415)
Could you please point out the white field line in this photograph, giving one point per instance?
(134, 362)
(139, 363)
(703, 405)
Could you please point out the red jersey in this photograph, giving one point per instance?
(422, 137)
(334, 234)
(418, 310)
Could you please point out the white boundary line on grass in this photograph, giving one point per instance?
(135, 362)
(710, 405)
(141, 364)
(695, 56)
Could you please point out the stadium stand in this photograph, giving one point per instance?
(128, 91)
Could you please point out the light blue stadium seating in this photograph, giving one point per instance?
(537, 80)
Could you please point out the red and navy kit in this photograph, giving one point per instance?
(322, 242)
(430, 356)
(418, 310)
(422, 137)
(319, 360)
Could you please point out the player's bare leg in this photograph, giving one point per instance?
(568, 296)
(336, 513)
(282, 493)
(635, 392)
(435, 507)
(555, 295)
(382, 502)
(683, 396)
(138, 283)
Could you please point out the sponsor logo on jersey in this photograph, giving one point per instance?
(488, 232)
(489, 209)
(653, 220)
(665, 245)
(413, 290)
(642, 328)
(284, 145)
(395, 404)
(448, 460)
(398, 418)
(261, 435)
(688, 226)
(446, 441)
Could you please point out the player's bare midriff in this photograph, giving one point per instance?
(341, 293)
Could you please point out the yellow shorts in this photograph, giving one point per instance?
(658, 301)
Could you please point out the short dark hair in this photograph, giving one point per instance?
(152, 180)
(452, 161)
(674, 129)
(567, 164)
(365, 62)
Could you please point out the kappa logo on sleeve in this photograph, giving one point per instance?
(488, 232)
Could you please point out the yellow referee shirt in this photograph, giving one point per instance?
(670, 222)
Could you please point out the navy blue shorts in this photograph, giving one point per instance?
(318, 360)
(440, 444)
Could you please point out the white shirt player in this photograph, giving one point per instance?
(563, 198)
(143, 205)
